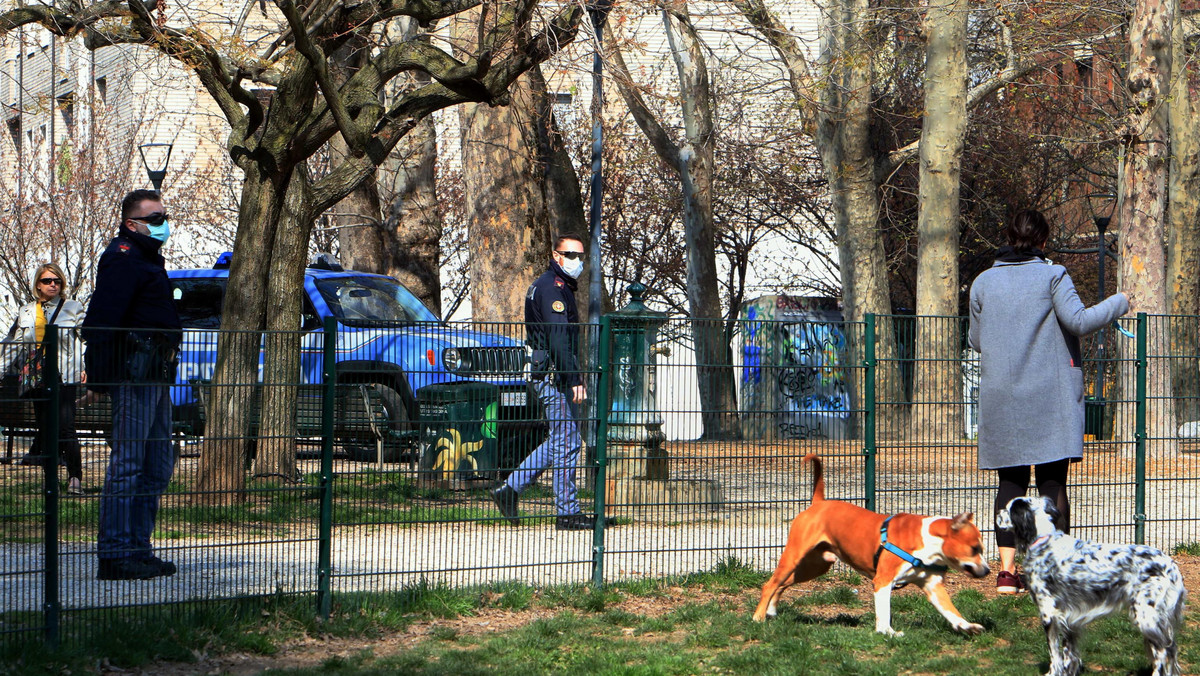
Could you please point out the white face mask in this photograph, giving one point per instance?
(573, 268)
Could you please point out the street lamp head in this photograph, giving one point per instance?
(155, 157)
(1102, 205)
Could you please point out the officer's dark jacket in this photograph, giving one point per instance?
(552, 323)
(132, 292)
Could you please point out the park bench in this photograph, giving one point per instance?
(362, 422)
(93, 420)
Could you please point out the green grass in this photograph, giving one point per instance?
(695, 624)
(1187, 548)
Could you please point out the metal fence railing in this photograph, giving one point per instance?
(364, 458)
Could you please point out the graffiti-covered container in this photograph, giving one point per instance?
(794, 383)
(458, 430)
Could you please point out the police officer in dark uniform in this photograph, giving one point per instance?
(552, 331)
(132, 332)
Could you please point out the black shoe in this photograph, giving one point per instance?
(580, 522)
(164, 568)
(506, 501)
(126, 569)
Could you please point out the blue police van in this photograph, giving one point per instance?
(387, 341)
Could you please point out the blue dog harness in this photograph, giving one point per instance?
(909, 558)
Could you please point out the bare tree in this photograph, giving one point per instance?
(943, 130)
(1183, 233)
(272, 141)
(1142, 192)
(692, 159)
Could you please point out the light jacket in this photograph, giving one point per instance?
(1026, 320)
(70, 351)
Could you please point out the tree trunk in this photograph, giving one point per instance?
(413, 219)
(559, 181)
(844, 141)
(694, 162)
(1183, 234)
(221, 475)
(937, 387)
(276, 455)
(506, 215)
(364, 241)
(1142, 202)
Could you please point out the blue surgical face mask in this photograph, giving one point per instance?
(573, 268)
(160, 232)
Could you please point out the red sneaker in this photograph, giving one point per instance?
(1008, 583)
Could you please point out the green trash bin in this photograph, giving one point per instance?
(1093, 418)
(458, 430)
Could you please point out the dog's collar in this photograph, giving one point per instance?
(909, 558)
(1040, 540)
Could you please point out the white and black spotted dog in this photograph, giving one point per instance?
(1075, 581)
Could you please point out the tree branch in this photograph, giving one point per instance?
(355, 137)
(1015, 68)
(658, 137)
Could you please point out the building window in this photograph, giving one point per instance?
(66, 106)
(14, 132)
(102, 89)
(1084, 68)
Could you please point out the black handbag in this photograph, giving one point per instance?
(28, 367)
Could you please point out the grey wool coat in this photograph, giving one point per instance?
(1026, 320)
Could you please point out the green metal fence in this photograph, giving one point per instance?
(388, 477)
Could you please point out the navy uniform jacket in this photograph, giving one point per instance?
(552, 324)
(132, 292)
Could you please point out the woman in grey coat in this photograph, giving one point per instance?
(1026, 320)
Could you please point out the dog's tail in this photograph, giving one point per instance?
(818, 477)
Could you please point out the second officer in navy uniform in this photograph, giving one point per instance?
(552, 331)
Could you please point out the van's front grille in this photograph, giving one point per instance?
(489, 361)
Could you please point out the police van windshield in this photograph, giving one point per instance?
(359, 300)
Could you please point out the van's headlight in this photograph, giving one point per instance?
(452, 360)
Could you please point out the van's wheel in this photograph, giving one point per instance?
(399, 441)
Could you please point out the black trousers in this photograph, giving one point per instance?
(1051, 481)
(68, 438)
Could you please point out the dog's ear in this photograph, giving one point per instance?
(1051, 509)
(962, 520)
(1003, 520)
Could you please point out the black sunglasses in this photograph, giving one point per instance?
(50, 280)
(573, 255)
(157, 218)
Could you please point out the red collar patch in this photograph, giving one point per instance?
(124, 248)
(558, 282)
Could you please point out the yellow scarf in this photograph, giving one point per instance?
(39, 324)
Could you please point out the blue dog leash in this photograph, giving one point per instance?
(909, 558)
(1124, 331)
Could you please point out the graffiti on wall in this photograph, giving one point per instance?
(811, 381)
(794, 381)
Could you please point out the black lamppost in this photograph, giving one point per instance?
(159, 155)
(1102, 222)
(598, 12)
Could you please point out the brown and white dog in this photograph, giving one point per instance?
(830, 530)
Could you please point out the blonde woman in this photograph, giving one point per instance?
(51, 307)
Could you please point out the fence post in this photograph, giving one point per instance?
(869, 407)
(604, 365)
(325, 529)
(1139, 436)
(51, 604)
